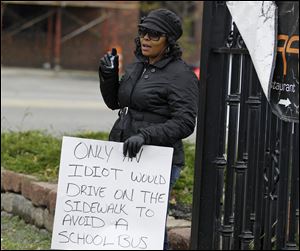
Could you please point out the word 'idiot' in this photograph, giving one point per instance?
(108, 201)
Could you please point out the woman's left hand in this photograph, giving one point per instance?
(133, 145)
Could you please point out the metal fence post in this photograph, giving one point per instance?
(209, 126)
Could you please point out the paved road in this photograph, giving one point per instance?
(59, 102)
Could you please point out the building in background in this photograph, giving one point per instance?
(66, 34)
(76, 34)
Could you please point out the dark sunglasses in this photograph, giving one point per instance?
(152, 34)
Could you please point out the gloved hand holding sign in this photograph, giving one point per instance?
(133, 145)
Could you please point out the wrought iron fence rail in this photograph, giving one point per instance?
(247, 162)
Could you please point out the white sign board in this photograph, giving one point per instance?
(108, 201)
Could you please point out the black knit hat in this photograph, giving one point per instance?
(164, 21)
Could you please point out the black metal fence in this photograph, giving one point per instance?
(246, 188)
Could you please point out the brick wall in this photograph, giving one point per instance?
(28, 48)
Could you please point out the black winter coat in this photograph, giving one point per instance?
(162, 102)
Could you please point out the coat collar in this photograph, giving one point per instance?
(160, 64)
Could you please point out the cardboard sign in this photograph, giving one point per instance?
(108, 201)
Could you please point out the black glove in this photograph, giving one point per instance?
(133, 145)
(105, 66)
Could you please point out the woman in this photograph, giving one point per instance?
(158, 94)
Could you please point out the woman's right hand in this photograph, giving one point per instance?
(105, 66)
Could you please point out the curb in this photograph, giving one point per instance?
(8, 70)
(25, 196)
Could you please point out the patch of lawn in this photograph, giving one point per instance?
(17, 235)
(36, 152)
(32, 152)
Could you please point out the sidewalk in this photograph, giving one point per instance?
(50, 73)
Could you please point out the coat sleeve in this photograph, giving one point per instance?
(109, 87)
(183, 97)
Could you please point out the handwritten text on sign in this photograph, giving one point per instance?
(108, 201)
